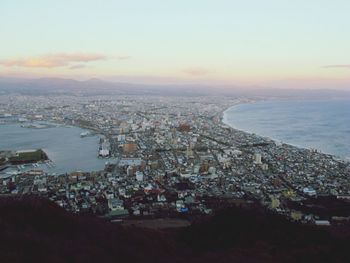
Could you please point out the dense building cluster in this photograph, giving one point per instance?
(171, 156)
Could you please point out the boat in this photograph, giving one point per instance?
(84, 134)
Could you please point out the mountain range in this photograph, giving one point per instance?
(94, 86)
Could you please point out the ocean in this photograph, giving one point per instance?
(322, 125)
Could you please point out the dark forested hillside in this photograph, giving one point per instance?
(36, 230)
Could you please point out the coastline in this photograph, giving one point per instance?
(57, 153)
(268, 137)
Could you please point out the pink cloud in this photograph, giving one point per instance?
(124, 57)
(196, 71)
(52, 60)
(337, 66)
(78, 66)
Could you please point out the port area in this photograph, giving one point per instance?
(23, 156)
(16, 162)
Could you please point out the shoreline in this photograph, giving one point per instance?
(51, 158)
(275, 140)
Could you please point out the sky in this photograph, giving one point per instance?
(261, 43)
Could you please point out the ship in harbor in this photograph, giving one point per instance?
(85, 134)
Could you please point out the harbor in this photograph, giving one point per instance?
(66, 149)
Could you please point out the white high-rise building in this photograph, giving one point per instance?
(257, 158)
(139, 176)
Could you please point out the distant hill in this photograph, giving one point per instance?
(36, 230)
(92, 87)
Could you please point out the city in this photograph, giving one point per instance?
(175, 131)
(173, 158)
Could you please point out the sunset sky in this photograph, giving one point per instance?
(277, 43)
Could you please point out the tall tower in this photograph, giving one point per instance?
(189, 151)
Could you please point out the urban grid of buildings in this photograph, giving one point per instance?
(169, 157)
